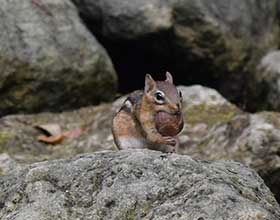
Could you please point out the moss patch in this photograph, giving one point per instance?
(5, 137)
(209, 114)
(145, 209)
(130, 215)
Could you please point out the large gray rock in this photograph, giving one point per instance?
(48, 59)
(214, 129)
(128, 19)
(135, 185)
(136, 18)
(215, 43)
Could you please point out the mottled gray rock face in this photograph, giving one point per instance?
(215, 129)
(48, 59)
(199, 41)
(133, 19)
(128, 19)
(135, 185)
(7, 164)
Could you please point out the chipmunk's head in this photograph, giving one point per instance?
(163, 95)
(165, 102)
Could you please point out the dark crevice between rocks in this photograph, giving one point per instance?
(135, 58)
(272, 180)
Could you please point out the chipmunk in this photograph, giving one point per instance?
(139, 121)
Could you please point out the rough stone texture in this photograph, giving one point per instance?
(134, 19)
(268, 81)
(128, 19)
(253, 140)
(136, 185)
(214, 129)
(18, 137)
(217, 43)
(7, 164)
(48, 59)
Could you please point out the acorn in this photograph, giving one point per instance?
(169, 124)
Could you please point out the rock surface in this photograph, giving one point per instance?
(214, 129)
(135, 19)
(135, 185)
(48, 59)
(215, 43)
(7, 164)
(18, 135)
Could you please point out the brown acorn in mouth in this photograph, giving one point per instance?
(169, 124)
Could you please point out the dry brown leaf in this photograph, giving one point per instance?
(74, 133)
(51, 139)
(53, 133)
(50, 129)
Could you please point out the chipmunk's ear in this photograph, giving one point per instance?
(149, 83)
(169, 78)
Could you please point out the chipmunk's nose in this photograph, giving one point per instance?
(178, 113)
(176, 109)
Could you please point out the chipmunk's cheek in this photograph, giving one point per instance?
(167, 124)
(158, 108)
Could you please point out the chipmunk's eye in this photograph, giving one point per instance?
(159, 96)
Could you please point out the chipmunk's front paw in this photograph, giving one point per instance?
(169, 141)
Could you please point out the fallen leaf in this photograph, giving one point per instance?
(53, 133)
(73, 133)
(50, 129)
(50, 139)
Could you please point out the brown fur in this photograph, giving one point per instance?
(135, 123)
